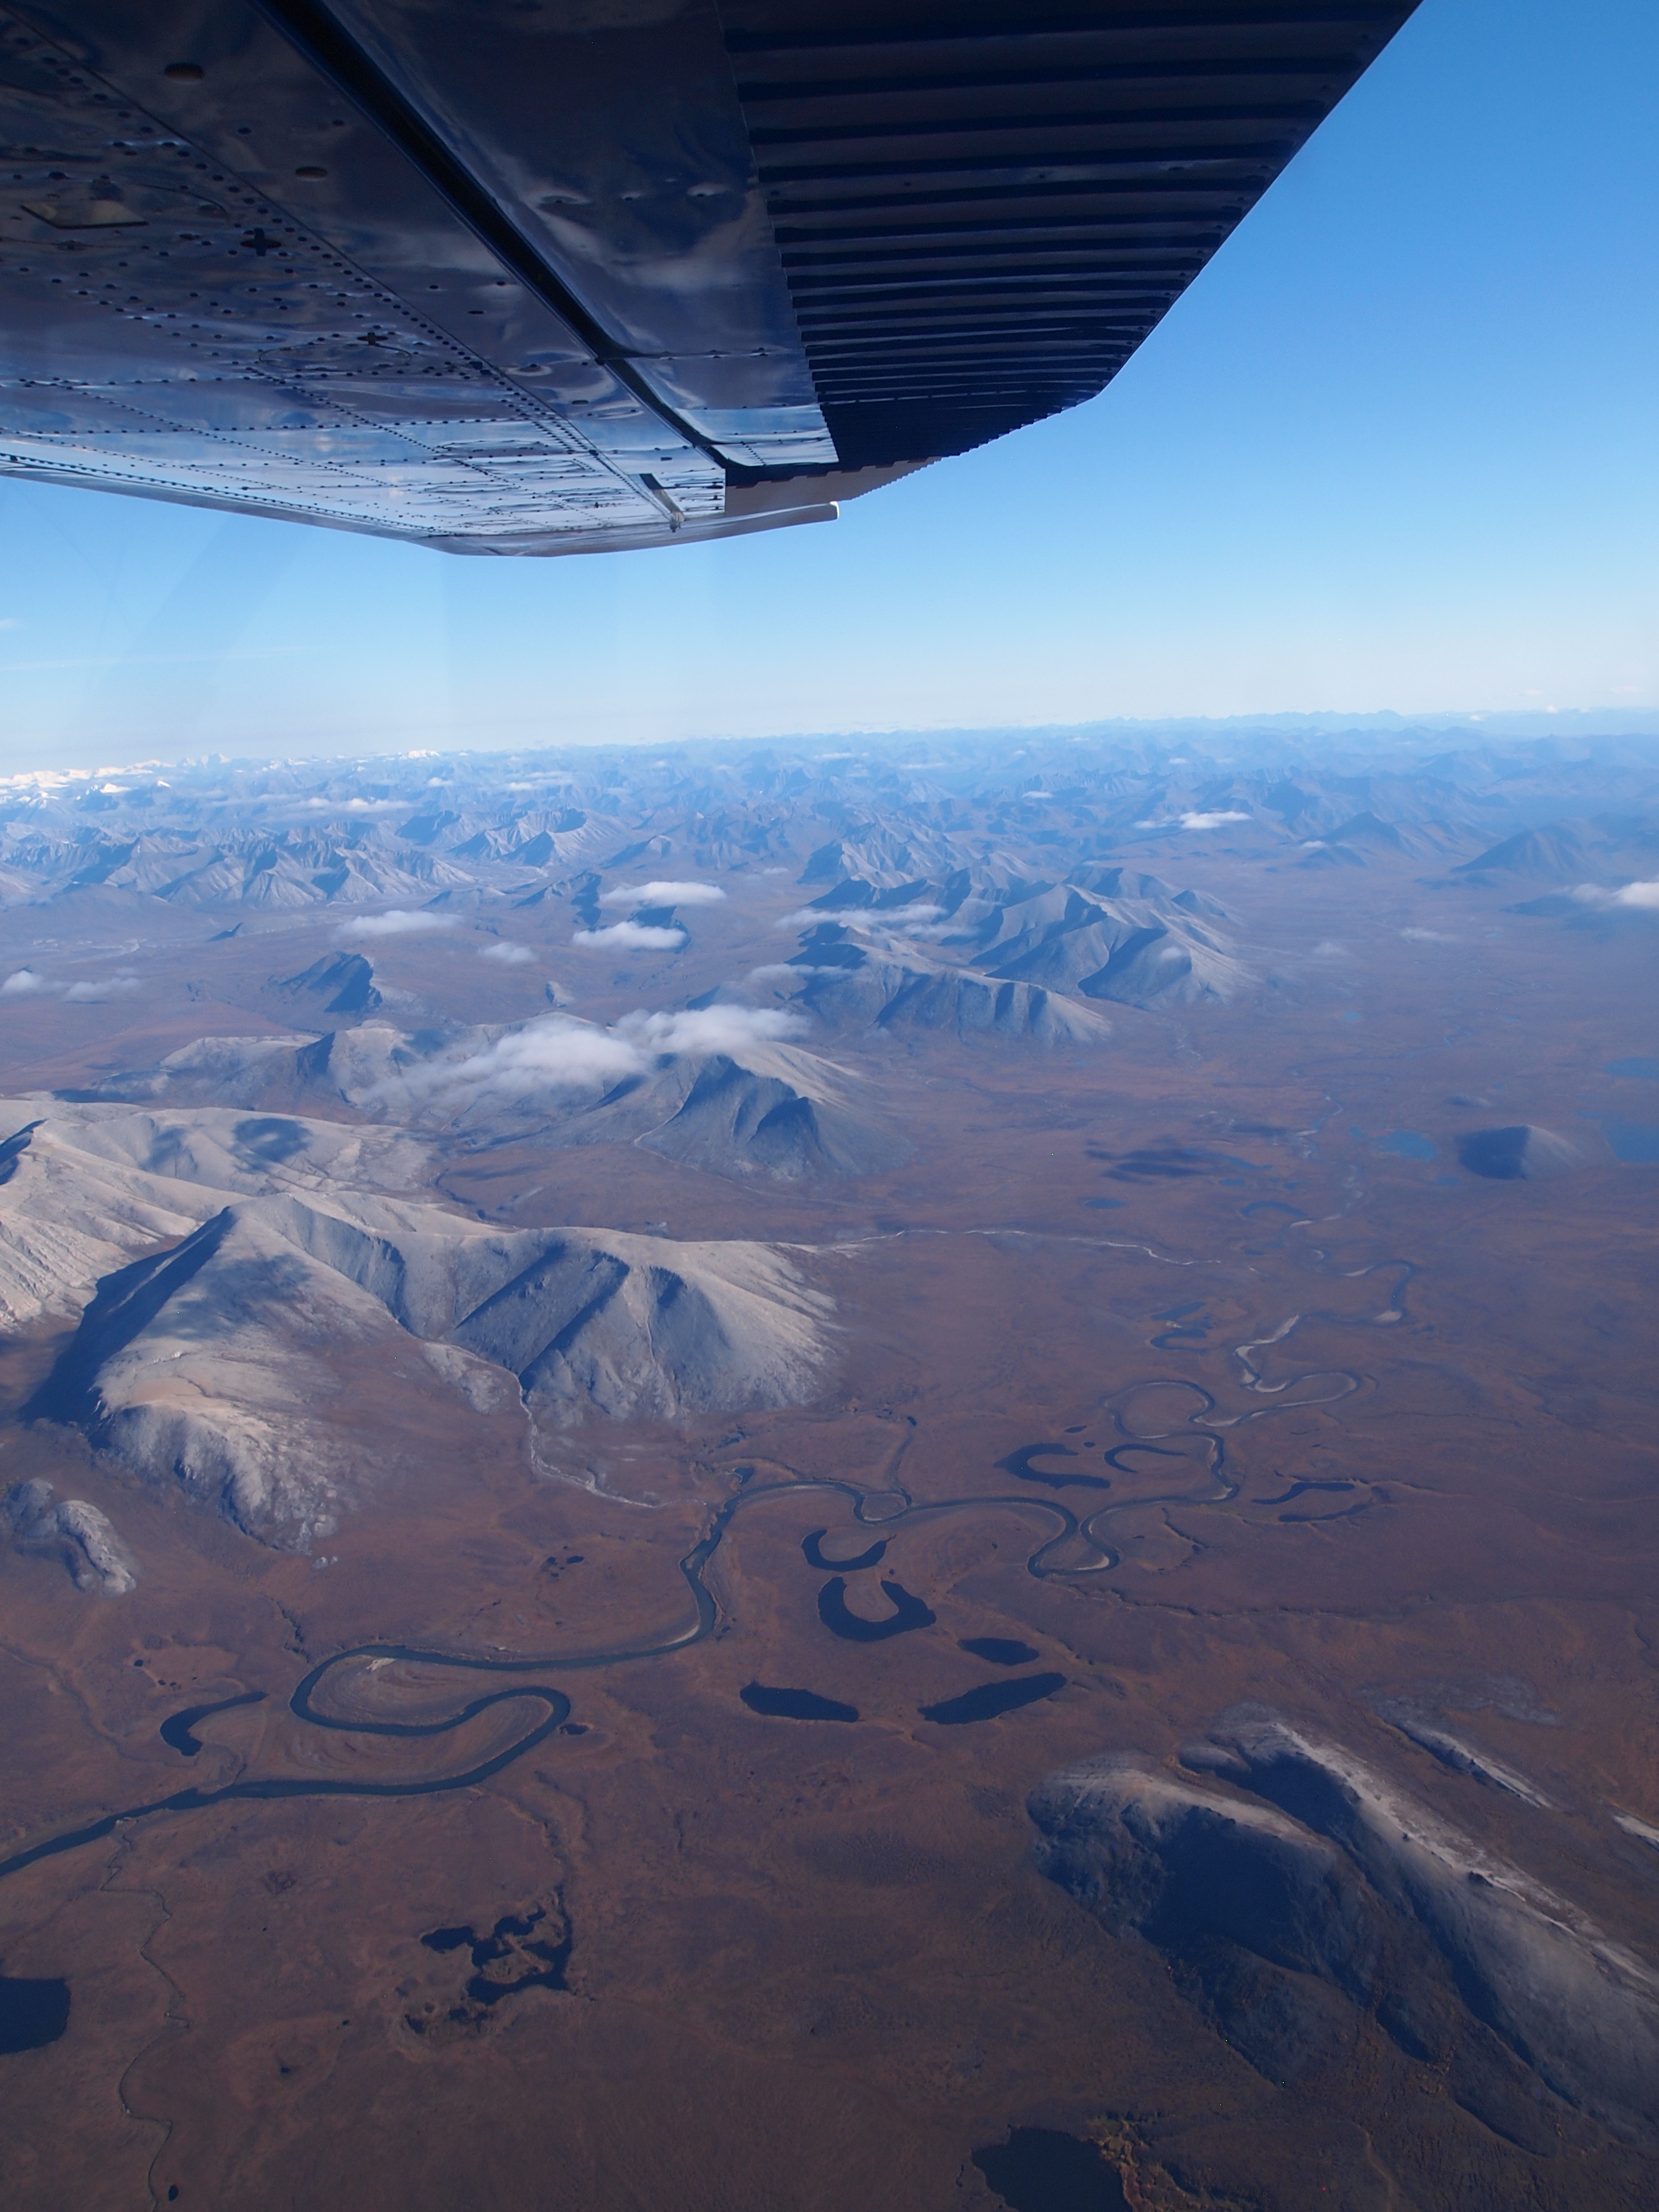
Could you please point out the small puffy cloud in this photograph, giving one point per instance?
(800, 971)
(870, 921)
(710, 1029)
(28, 982)
(919, 920)
(1427, 937)
(353, 806)
(1330, 948)
(897, 917)
(509, 955)
(398, 921)
(1195, 818)
(558, 1053)
(94, 994)
(663, 894)
(1641, 894)
(555, 1053)
(632, 936)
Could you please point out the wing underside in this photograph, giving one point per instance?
(500, 277)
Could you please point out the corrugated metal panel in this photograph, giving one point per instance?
(982, 210)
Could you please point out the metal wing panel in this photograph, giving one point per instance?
(165, 266)
(605, 271)
(619, 150)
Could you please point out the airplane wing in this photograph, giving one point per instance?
(534, 277)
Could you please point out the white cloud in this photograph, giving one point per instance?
(919, 920)
(1641, 894)
(1428, 936)
(664, 894)
(509, 955)
(710, 1029)
(869, 918)
(1193, 819)
(902, 917)
(634, 934)
(555, 1053)
(559, 1053)
(1329, 948)
(21, 981)
(94, 994)
(354, 805)
(399, 921)
(1644, 894)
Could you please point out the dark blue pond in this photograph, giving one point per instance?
(794, 1704)
(815, 1558)
(1040, 2170)
(31, 2013)
(1635, 1143)
(1018, 1463)
(176, 1728)
(908, 1613)
(542, 1957)
(1408, 1144)
(1301, 1489)
(990, 1698)
(1000, 1651)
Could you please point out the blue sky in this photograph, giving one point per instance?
(1398, 447)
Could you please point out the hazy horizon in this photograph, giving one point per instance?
(1444, 730)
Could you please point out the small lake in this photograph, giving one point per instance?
(794, 1704)
(1635, 1143)
(1019, 1464)
(1408, 1145)
(176, 1730)
(991, 1699)
(908, 1613)
(1041, 2170)
(542, 1957)
(31, 2013)
(810, 1547)
(999, 1650)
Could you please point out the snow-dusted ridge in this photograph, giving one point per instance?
(234, 1273)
